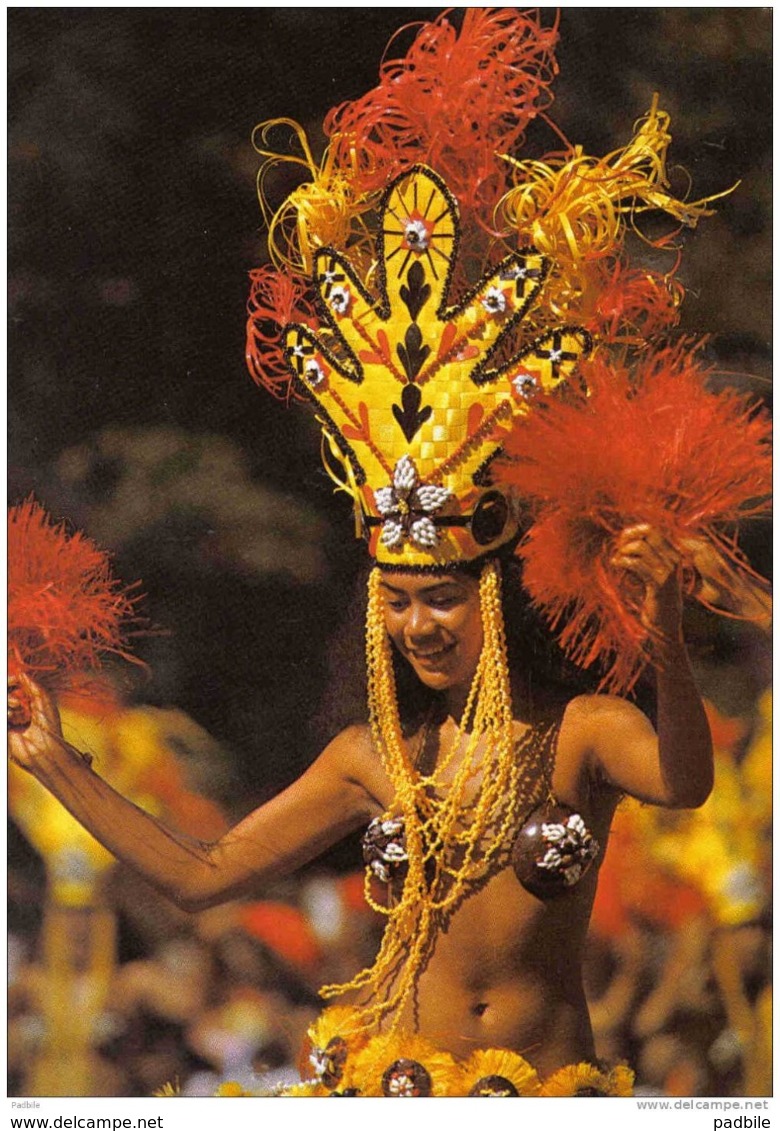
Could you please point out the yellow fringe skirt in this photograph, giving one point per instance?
(340, 1060)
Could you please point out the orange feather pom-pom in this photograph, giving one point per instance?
(65, 610)
(455, 102)
(657, 447)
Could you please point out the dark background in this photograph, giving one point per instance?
(133, 222)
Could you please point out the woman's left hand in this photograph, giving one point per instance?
(672, 765)
(655, 564)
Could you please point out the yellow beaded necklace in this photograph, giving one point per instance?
(451, 837)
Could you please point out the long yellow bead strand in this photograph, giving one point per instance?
(452, 836)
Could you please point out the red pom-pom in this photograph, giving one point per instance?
(456, 102)
(65, 610)
(275, 299)
(654, 447)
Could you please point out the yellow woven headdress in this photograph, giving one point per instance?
(426, 286)
(411, 399)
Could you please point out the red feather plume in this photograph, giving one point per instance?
(629, 304)
(276, 298)
(655, 447)
(65, 610)
(456, 102)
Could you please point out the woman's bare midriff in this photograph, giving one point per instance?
(506, 971)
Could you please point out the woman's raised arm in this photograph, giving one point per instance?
(672, 767)
(326, 803)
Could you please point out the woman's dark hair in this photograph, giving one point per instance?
(543, 679)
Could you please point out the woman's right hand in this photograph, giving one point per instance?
(33, 722)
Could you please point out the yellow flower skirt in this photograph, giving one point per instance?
(341, 1060)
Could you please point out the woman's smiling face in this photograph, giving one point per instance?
(436, 625)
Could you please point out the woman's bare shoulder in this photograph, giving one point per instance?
(594, 722)
(596, 731)
(353, 741)
(353, 754)
(589, 709)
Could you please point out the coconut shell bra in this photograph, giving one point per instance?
(552, 851)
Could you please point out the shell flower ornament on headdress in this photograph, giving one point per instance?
(411, 398)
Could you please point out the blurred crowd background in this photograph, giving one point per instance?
(133, 223)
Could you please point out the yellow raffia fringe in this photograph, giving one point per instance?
(366, 1061)
(323, 212)
(337, 1021)
(500, 1062)
(343, 478)
(453, 830)
(579, 208)
(585, 1078)
(621, 1081)
(371, 1063)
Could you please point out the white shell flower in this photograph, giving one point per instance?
(313, 373)
(318, 1059)
(401, 1086)
(407, 505)
(391, 826)
(416, 235)
(339, 300)
(516, 271)
(494, 300)
(381, 871)
(525, 384)
(571, 848)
